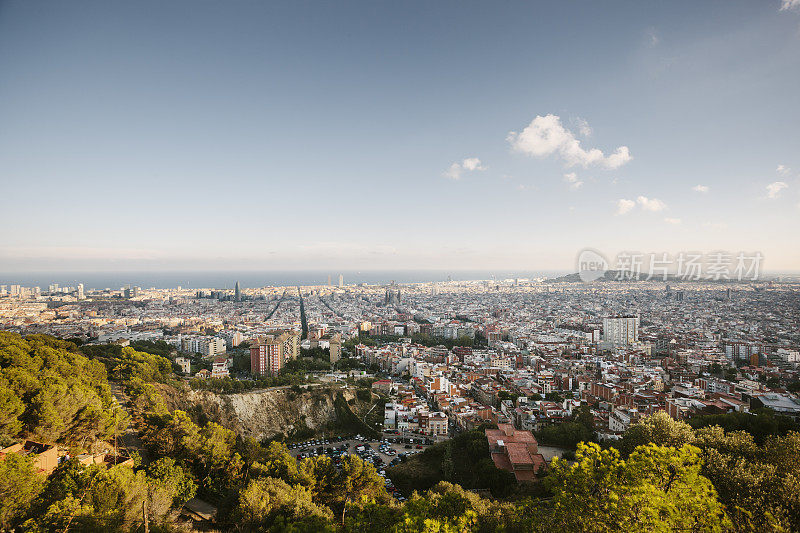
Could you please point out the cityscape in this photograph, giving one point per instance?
(411, 268)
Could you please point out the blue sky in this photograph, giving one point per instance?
(201, 135)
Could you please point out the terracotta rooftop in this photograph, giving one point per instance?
(518, 453)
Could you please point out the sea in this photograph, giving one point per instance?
(250, 279)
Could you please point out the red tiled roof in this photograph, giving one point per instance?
(518, 453)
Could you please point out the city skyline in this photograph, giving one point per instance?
(151, 137)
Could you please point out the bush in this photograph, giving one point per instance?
(364, 395)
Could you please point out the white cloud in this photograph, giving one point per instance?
(623, 206)
(572, 179)
(673, 221)
(546, 136)
(651, 204)
(647, 204)
(583, 127)
(472, 163)
(454, 172)
(783, 170)
(618, 158)
(774, 189)
(701, 188)
(469, 164)
(789, 4)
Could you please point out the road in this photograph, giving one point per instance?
(277, 305)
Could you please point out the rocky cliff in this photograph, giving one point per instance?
(270, 413)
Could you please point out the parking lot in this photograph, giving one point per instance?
(381, 453)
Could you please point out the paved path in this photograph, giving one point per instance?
(551, 451)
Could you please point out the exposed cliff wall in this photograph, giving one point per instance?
(265, 414)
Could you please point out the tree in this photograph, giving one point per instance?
(657, 428)
(167, 474)
(565, 435)
(372, 516)
(659, 488)
(505, 395)
(758, 485)
(270, 504)
(761, 423)
(553, 397)
(276, 461)
(584, 416)
(321, 477)
(357, 479)
(11, 407)
(445, 508)
(19, 485)
(50, 391)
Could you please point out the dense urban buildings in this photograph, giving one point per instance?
(520, 352)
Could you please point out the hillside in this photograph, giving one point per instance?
(664, 475)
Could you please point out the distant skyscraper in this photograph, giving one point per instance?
(237, 293)
(80, 291)
(341, 280)
(329, 280)
(621, 330)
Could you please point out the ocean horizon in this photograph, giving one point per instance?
(221, 279)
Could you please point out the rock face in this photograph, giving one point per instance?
(265, 414)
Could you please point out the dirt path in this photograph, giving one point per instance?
(130, 437)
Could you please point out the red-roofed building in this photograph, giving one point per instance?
(515, 451)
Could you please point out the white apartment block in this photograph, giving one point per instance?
(621, 330)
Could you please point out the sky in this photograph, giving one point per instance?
(401, 135)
